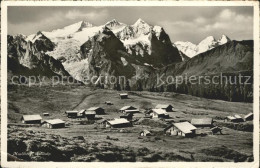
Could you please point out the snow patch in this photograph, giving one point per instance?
(125, 63)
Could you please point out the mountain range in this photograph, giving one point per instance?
(135, 51)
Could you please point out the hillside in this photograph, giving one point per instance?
(89, 142)
(230, 60)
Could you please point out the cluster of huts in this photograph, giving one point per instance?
(37, 119)
(185, 129)
(238, 118)
(89, 113)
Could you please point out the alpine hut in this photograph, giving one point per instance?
(72, 114)
(159, 113)
(129, 109)
(145, 133)
(55, 123)
(117, 123)
(90, 115)
(235, 118)
(166, 107)
(98, 110)
(202, 122)
(31, 119)
(123, 96)
(185, 129)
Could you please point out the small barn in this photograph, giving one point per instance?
(31, 119)
(216, 129)
(145, 133)
(72, 114)
(128, 116)
(98, 110)
(249, 117)
(166, 107)
(159, 113)
(123, 96)
(90, 115)
(202, 122)
(46, 114)
(117, 123)
(235, 118)
(108, 103)
(55, 123)
(184, 129)
(129, 109)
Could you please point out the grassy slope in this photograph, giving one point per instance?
(57, 100)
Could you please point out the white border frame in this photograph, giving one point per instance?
(5, 163)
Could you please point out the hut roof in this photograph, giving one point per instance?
(117, 121)
(185, 127)
(127, 107)
(90, 113)
(123, 94)
(71, 112)
(134, 110)
(159, 111)
(55, 121)
(81, 111)
(31, 117)
(159, 106)
(237, 116)
(202, 121)
(94, 108)
(249, 115)
(231, 117)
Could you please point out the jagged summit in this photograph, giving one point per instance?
(140, 22)
(115, 25)
(39, 33)
(85, 24)
(206, 44)
(113, 21)
(223, 39)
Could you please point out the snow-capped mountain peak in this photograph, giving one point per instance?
(206, 44)
(115, 26)
(223, 39)
(113, 23)
(85, 24)
(141, 27)
(139, 21)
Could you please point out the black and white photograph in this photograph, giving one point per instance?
(130, 83)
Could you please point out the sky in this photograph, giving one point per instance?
(181, 23)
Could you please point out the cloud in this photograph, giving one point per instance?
(226, 14)
(76, 14)
(200, 20)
